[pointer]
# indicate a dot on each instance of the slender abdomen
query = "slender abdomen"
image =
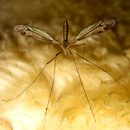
(65, 30)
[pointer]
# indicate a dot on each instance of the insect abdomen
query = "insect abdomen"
(65, 30)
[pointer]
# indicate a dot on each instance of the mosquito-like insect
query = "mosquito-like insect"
(39, 34)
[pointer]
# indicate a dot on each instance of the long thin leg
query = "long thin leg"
(34, 79)
(51, 87)
(77, 45)
(100, 68)
(80, 45)
(83, 88)
(83, 49)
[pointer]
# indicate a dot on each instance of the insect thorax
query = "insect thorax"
(65, 47)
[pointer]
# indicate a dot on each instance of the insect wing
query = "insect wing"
(96, 28)
(33, 32)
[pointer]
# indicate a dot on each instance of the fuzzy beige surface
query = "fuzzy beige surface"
(23, 58)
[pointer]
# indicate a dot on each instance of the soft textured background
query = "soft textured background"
(21, 59)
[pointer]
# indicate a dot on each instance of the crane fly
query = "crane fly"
(96, 28)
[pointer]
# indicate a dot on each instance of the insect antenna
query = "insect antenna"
(33, 80)
(100, 68)
(83, 86)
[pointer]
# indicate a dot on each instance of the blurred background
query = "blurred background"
(80, 13)
(22, 59)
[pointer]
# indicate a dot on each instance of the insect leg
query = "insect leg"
(33, 80)
(83, 49)
(83, 87)
(101, 69)
(52, 84)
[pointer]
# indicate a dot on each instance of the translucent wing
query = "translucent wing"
(96, 28)
(33, 32)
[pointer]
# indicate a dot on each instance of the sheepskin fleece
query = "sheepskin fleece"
(22, 59)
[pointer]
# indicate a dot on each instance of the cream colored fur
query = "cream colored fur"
(23, 58)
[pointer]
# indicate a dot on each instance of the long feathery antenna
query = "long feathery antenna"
(83, 87)
(100, 68)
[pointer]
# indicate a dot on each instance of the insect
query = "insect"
(96, 28)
